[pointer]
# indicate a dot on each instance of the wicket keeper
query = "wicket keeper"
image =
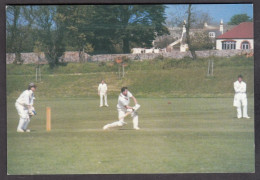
(240, 98)
(123, 109)
(25, 109)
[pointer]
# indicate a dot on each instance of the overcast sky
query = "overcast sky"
(218, 11)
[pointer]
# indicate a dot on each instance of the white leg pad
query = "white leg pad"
(135, 119)
(21, 124)
(26, 123)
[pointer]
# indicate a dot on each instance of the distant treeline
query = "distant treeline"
(92, 29)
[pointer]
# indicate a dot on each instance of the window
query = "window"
(212, 34)
(228, 44)
(245, 45)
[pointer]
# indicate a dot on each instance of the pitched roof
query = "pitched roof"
(242, 31)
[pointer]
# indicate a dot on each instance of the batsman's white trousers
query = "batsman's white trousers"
(102, 95)
(121, 122)
(24, 120)
(241, 99)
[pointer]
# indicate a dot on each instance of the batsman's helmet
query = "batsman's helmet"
(31, 85)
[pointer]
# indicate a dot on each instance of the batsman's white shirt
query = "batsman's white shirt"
(102, 88)
(123, 101)
(240, 94)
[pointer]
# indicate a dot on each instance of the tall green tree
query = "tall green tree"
(239, 18)
(51, 32)
(188, 36)
(127, 26)
(78, 21)
(19, 31)
(105, 26)
(140, 24)
(14, 33)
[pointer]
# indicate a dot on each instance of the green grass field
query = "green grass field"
(189, 135)
(196, 133)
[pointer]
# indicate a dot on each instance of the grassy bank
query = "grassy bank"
(157, 78)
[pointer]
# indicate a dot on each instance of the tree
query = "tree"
(239, 18)
(128, 25)
(177, 16)
(88, 28)
(199, 18)
(77, 21)
(201, 41)
(104, 27)
(163, 42)
(14, 35)
(188, 25)
(51, 32)
(19, 32)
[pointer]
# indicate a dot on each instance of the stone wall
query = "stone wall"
(71, 56)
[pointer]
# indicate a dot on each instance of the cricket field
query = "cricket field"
(177, 135)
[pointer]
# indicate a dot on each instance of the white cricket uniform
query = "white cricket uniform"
(122, 110)
(22, 104)
(102, 89)
(240, 98)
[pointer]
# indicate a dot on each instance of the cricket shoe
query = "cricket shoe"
(105, 127)
(20, 130)
(137, 128)
(27, 130)
(247, 117)
(106, 105)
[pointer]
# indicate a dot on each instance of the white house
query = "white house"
(144, 50)
(212, 31)
(239, 37)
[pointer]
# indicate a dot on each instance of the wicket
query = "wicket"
(48, 119)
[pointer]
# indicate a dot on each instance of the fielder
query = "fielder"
(25, 109)
(240, 98)
(124, 109)
(102, 92)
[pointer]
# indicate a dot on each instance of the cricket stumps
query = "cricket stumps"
(48, 119)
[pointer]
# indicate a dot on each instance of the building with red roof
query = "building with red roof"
(239, 37)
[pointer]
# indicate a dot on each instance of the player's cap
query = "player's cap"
(31, 85)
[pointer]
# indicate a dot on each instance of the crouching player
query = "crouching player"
(124, 109)
(25, 109)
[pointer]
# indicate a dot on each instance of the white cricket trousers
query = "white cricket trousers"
(102, 95)
(24, 120)
(240, 102)
(121, 122)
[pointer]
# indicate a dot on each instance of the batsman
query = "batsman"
(124, 110)
(25, 109)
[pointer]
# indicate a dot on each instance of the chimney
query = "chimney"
(221, 27)
(184, 27)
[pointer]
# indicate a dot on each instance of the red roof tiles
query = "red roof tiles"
(244, 30)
